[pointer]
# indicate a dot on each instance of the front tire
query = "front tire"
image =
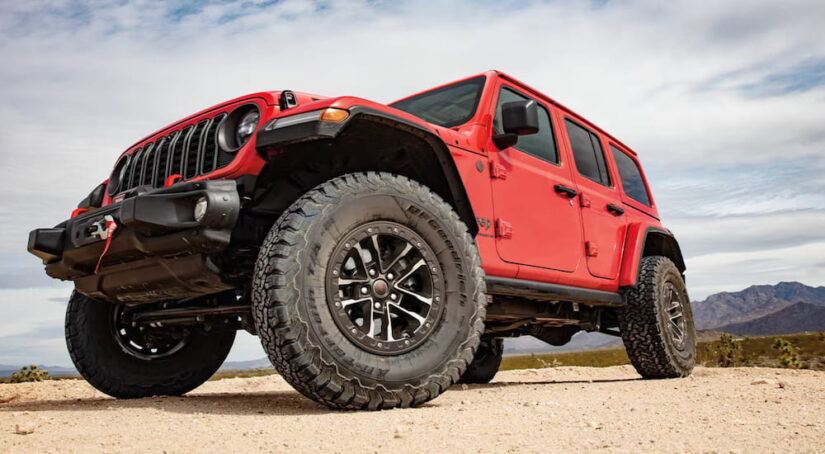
(368, 293)
(657, 322)
(127, 363)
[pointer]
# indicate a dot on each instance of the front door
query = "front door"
(537, 219)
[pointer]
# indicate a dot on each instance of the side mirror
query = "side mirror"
(518, 118)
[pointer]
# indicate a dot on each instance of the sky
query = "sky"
(723, 101)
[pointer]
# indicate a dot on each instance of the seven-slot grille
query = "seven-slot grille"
(188, 152)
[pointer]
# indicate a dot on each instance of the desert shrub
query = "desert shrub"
(554, 362)
(788, 353)
(729, 352)
(29, 374)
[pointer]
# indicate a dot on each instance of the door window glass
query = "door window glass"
(588, 153)
(541, 144)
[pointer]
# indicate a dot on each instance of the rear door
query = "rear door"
(536, 224)
(599, 199)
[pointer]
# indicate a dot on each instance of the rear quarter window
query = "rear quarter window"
(631, 176)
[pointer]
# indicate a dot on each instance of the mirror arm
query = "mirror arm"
(503, 141)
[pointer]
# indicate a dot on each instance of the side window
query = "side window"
(543, 143)
(588, 152)
(632, 182)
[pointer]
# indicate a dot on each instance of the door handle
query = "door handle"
(617, 211)
(569, 192)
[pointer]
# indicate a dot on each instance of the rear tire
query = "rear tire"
(485, 363)
(657, 322)
(126, 371)
(360, 242)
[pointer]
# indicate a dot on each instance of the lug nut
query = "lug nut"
(390, 276)
(372, 273)
(365, 290)
(393, 296)
(378, 305)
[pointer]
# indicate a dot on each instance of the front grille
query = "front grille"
(189, 152)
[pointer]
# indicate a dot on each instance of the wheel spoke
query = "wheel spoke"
(346, 303)
(407, 248)
(371, 331)
(412, 270)
(361, 258)
(417, 317)
(346, 281)
(388, 328)
(422, 298)
(677, 330)
(375, 246)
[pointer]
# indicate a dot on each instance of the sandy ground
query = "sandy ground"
(548, 410)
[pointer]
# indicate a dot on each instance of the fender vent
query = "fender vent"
(191, 152)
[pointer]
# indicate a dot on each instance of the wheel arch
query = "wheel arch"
(662, 242)
(370, 140)
(646, 241)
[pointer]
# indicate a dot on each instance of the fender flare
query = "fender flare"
(314, 129)
(646, 241)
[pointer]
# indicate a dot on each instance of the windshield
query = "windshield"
(448, 106)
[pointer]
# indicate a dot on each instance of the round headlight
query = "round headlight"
(200, 208)
(246, 127)
(237, 128)
(118, 174)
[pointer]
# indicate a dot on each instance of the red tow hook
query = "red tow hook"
(106, 231)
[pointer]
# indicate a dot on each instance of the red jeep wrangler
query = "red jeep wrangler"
(381, 252)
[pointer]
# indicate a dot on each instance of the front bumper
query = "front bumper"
(158, 252)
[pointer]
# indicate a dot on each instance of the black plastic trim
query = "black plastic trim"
(317, 129)
(678, 259)
(158, 223)
(551, 292)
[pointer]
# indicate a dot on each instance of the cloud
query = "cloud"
(723, 102)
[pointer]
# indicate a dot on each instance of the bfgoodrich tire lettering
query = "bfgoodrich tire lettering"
(657, 322)
(294, 318)
(109, 367)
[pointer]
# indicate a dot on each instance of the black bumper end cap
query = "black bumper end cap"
(46, 243)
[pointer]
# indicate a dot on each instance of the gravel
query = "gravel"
(548, 410)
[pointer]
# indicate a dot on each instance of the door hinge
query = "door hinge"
(498, 171)
(591, 249)
(584, 201)
(504, 229)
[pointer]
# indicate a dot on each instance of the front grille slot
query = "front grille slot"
(190, 152)
(178, 147)
(209, 160)
(193, 150)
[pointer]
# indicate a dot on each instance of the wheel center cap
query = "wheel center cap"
(380, 288)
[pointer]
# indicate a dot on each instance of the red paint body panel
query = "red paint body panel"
(543, 235)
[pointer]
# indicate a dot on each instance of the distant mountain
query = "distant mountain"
(796, 318)
(581, 341)
(754, 302)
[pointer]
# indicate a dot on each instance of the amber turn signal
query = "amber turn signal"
(334, 115)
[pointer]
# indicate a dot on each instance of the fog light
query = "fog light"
(200, 208)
